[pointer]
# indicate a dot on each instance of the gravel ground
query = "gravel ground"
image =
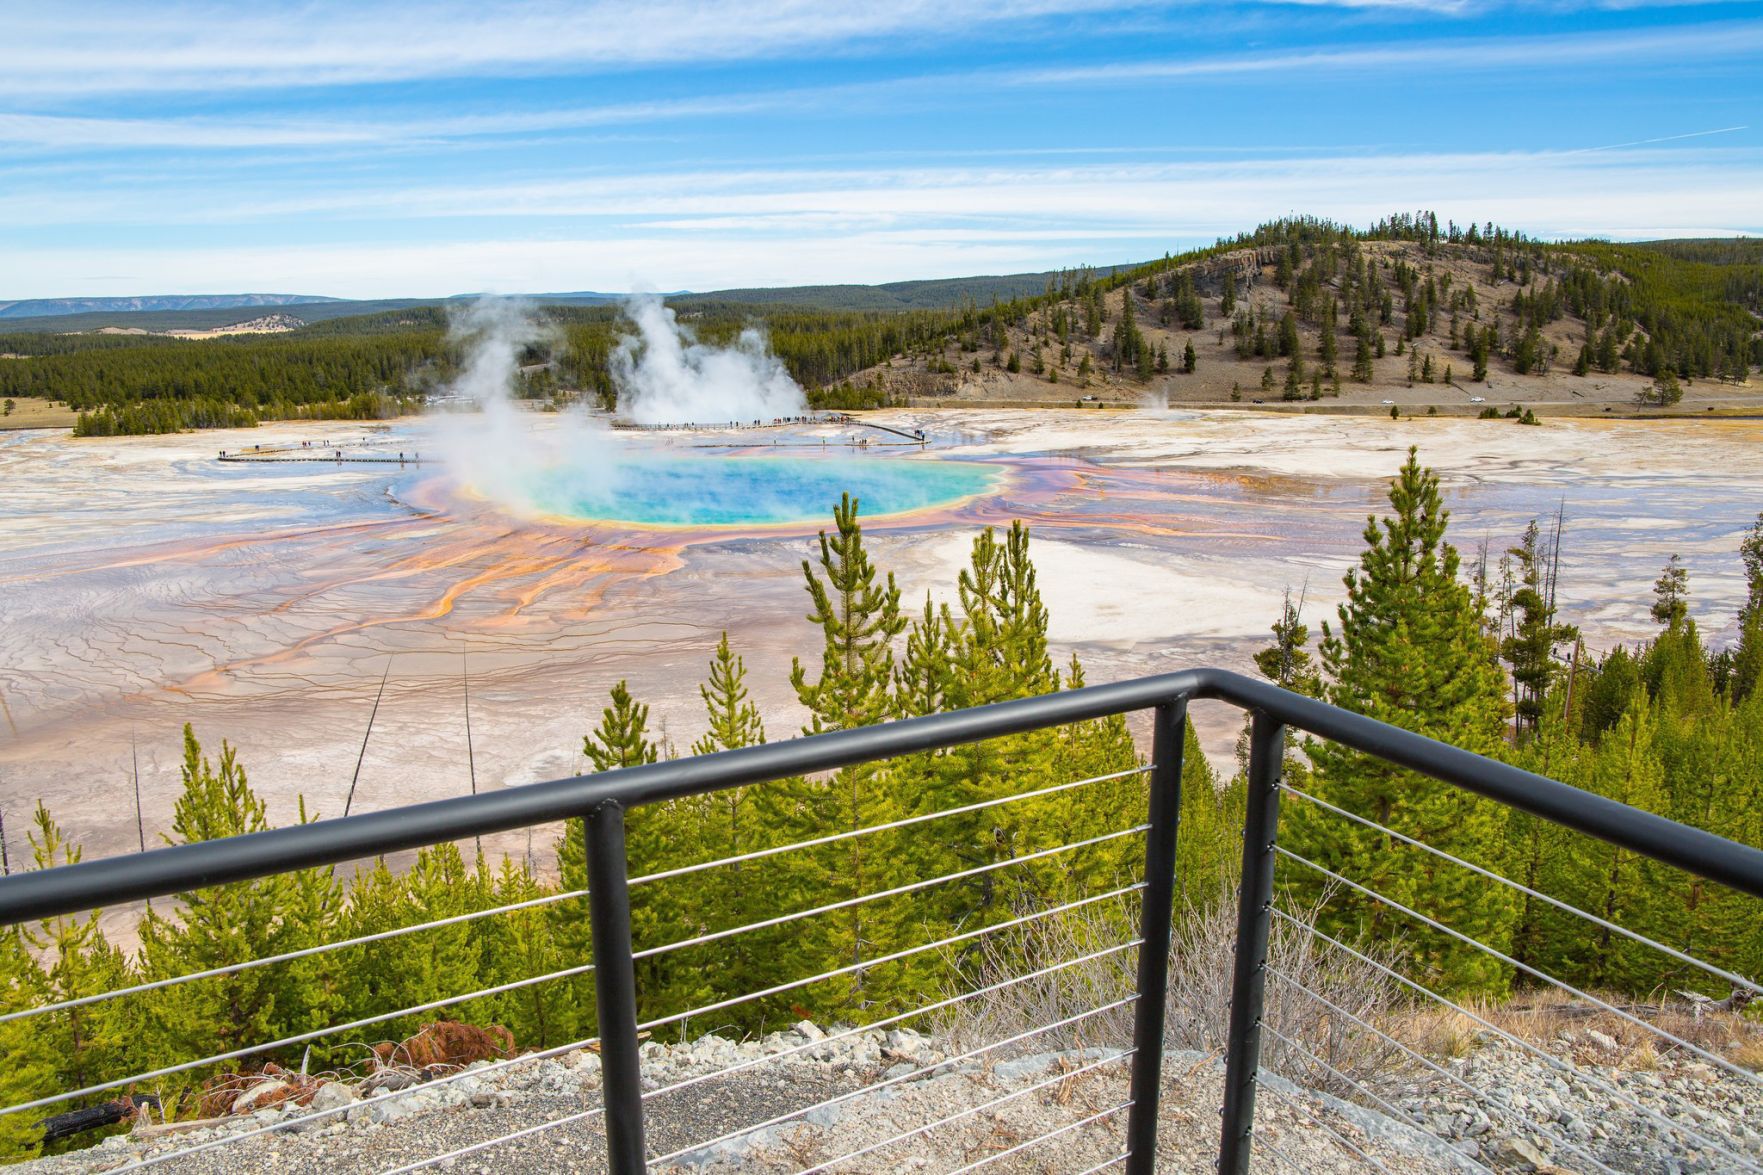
(1680, 1115)
(718, 1124)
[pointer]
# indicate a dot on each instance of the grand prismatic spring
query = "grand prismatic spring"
(144, 584)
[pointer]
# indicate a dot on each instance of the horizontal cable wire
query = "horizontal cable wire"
(1266, 1027)
(501, 1140)
(305, 952)
(532, 903)
(1354, 1082)
(316, 1115)
(1326, 1128)
(895, 1019)
(1713, 1058)
(755, 1126)
(889, 958)
(1022, 1146)
(891, 1081)
(1718, 972)
(567, 972)
(909, 887)
(1104, 1165)
(907, 822)
(1477, 1092)
(1542, 1054)
(971, 1110)
(1280, 1155)
(301, 1038)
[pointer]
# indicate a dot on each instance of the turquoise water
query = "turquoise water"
(729, 490)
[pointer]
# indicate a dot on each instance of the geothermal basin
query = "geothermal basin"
(697, 490)
(144, 585)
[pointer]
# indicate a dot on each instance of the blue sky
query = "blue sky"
(373, 149)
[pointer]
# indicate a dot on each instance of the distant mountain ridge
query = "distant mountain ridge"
(206, 311)
(44, 307)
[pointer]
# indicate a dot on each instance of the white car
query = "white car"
(1478, 399)
(1388, 402)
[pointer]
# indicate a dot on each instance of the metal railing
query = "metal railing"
(601, 802)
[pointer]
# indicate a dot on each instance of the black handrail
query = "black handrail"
(601, 800)
(162, 872)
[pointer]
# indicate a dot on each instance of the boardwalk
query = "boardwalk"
(320, 455)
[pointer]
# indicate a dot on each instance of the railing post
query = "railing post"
(1267, 746)
(615, 989)
(1168, 739)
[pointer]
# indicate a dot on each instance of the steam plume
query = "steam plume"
(665, 375)
(496, 453)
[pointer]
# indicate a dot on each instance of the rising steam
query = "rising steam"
(497, 452)
(665, 375)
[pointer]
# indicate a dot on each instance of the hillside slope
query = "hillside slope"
(1305, 313)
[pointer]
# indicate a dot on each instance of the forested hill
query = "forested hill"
(1299, 309)
(1304, 309)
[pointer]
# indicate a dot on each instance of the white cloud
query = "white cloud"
(1702, 44)
(744, 228)
(1141, 195)
(111, 48)
(108, 48)
(1699, 44)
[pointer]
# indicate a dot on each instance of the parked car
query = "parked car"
(1387, 403)
(1478, 399)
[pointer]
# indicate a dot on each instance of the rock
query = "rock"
(390, 1109)
(1514, 1154)
(388, 1079)
(332, 1095)
(809, 1030)
(1602, 1040)
(257, 1095)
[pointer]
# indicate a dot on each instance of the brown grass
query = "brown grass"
(1322, 1048)
(30, 412)
(1557, 1022)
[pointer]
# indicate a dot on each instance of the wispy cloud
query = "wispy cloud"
(1692, 46)
(120, 48)
(876, 224)
(109, 48)
(1703, 44)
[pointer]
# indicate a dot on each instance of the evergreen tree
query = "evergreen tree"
(520, 945)
(1287, 662)
(423, 966)
(1411, 650)
(233, 923)
(30, 1069)
(1613, 883)
(859, 616)
(620, 740)
(730, 823)
(1747, 663)
(76, 961)
(1362, 371)
(1530, 646)
(1671, 593)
